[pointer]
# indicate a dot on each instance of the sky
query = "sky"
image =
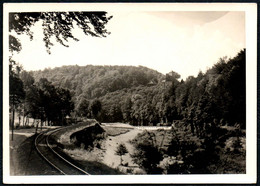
(184, 42)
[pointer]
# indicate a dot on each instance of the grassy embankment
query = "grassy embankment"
(24, 159)
(88, 159)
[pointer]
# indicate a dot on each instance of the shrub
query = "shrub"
(147, 153)
(120, 151)
(192, 154)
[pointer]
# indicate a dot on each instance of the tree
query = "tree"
(16, 89)
(82, 107)
(56, 102)
(17, 94)
(32, 102)
(147, 153)
(27, 78)
(95, 107)
(126, 109)
(120, 151)
(58, 25)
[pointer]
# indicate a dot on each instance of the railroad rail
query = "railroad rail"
(61, 164)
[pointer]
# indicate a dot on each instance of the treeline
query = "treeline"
(105, 92)
(216, 97)
(51, 95)
(41, 100)
(142, 96)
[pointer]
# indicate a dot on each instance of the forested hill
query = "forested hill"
(142, 96)
(96, 81)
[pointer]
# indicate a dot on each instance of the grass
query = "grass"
(25, 160)
(115, 131)
(88, 160)
(63, 136)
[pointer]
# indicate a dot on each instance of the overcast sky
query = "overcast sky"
(185, 42)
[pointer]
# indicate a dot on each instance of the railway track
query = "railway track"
(46, 150)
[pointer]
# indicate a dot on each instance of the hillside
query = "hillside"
(96, 81)
(116, 87)
(139, 96)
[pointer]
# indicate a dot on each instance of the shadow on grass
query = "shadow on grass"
(26, 161)
(92, 167)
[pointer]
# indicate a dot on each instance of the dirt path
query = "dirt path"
(113, 160)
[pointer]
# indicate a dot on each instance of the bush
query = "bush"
(120, 151)
(89, 137)
(147, 153)
(192, 154)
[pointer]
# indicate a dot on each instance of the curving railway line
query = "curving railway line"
(46, 150)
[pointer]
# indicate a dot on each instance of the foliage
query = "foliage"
(211, 98)
(218, 96)
(45, 101)
(147, 153)
(16, 90)
(198, 107)
(56, 102)
(204, 155)
(82, 108)
(120, 151)
(95, 107)
(118, 88)
(57, 25)
(89, 137)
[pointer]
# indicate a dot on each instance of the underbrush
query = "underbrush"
(87, 157)
(179, 151)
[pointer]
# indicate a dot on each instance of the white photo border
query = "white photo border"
(250, 10)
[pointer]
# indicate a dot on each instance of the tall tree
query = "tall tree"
(82, 107)
(55, 102)
(95, 107)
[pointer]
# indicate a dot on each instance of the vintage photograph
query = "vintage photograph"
(127, 92)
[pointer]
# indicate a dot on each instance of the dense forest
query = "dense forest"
(142, 96)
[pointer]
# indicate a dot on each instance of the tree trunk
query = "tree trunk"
(13, 123)
(23, 113)
(33, 121)
(19, 117)
(23, 118)
(36, 127)
(27, 121)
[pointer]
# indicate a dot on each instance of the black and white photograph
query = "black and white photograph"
(129, 93)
